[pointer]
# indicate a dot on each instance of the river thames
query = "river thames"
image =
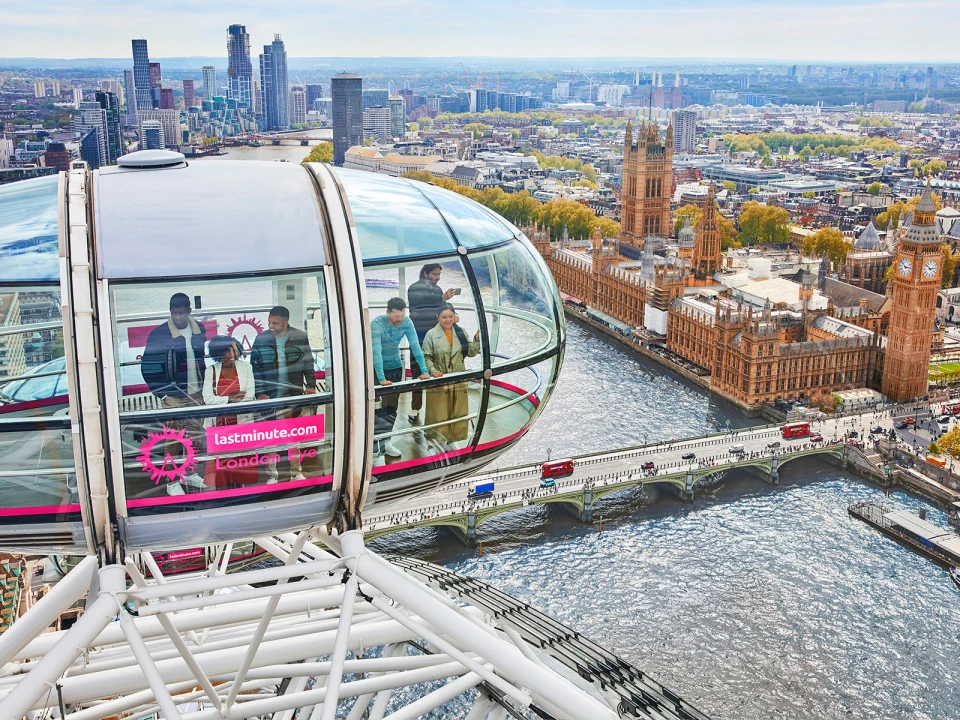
(753, 602)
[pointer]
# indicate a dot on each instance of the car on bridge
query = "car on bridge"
(688, 456)
(736, 450)
(547, 482)
(773, 445)
(816, 437)
(648, 465)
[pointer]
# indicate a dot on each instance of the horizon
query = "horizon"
(714, 30)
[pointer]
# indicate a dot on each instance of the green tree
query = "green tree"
(809, 194)
(934, 448)
(874, 188)
(478, 129)
(730, 185)
(827, 242)
(763, 224)
(322, 153)
(933, 167)
(949, 266)
(694, 212)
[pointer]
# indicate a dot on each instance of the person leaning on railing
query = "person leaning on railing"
(386, 332)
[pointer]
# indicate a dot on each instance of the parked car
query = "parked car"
(688, 456)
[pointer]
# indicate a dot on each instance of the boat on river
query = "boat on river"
(955, 575)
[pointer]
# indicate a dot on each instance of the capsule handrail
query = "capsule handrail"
(39, 471)
(221, 310)
(30, 376)
(34, 327)
(471, 416)
(241, 408)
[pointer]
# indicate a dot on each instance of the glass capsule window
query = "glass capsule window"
(223, 389)
(491, 359)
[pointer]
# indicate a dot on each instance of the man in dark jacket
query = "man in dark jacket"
(283, 367)
(425, 299)
(173, 368)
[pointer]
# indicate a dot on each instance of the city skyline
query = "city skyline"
(690, 29)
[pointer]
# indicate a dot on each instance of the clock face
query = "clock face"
(930, 268)
(905, 267)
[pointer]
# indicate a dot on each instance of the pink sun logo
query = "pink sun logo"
(244, 330)
(168, 468)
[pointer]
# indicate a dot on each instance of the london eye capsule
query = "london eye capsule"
(194, 353)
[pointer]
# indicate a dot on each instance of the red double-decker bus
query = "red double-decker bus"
(795, 430)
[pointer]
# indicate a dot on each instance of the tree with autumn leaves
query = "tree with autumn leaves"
(728, 231)
(827, 242)
(521, 209)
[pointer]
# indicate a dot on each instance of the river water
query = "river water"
(753, 602)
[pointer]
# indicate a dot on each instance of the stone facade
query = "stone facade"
(647, 183)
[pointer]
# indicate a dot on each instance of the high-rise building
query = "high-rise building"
(647, 181)
(156, 77)
(314, 91)
(189, 94)
(151, 135)
(684, 131)
(91, 116)
(77, 97)
(166, 99)
(209, 82)
(377, 125)
(398, 117)
(274, 103)
(39, 89)
(298, 105)
(131, 96)
(375, 98)
(347, 92)
(239, 67)
(141, 75)
(55, 88)
(916, 281)
(57, 156)
(110, 104)
(170, 122)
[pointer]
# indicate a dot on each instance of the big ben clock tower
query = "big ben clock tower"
(916, 280)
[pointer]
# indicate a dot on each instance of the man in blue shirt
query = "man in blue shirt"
(386, 332)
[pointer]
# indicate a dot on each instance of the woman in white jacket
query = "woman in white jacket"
(228, 380)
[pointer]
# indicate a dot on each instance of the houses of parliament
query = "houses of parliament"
(758, 326)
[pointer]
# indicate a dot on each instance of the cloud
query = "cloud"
(818, 30)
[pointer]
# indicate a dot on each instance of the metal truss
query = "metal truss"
(333, 630)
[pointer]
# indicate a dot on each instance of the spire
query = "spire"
(627, 137)
(926, 205)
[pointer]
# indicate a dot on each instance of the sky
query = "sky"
(906, 31)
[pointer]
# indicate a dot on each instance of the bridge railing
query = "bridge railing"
(456, 508)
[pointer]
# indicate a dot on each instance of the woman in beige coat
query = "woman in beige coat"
(445, 347)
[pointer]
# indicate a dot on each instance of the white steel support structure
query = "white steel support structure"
(330, 626)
